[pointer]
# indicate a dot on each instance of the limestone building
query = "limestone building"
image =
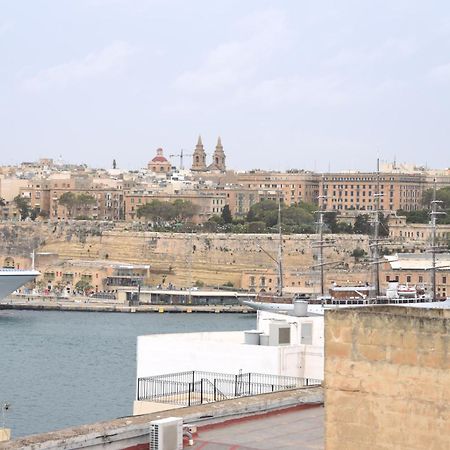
(199, 157)
(159, 164)
(218, 158)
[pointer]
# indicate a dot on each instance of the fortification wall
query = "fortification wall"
(174, 257)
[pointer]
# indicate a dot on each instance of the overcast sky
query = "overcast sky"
(286, 84)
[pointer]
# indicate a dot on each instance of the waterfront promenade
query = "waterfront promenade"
(87, 304)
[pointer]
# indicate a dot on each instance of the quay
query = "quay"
(87, 305)
(134, 300)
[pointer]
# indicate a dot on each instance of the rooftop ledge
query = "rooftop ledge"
(133, 431)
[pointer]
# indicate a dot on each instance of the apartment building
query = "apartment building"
(209, 201)
(295, 187)
(356, 191)
(107, 201)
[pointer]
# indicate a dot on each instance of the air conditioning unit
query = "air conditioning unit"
(166, 434)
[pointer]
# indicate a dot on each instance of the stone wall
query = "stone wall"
(174, 257)
(387, 378)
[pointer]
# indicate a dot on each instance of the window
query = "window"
(408, 278)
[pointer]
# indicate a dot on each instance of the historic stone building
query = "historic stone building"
(159, 164)
(199, 157)
(218, 158)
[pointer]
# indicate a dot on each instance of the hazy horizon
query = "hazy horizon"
(286, 84)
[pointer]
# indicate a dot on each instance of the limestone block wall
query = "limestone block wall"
(177, 258)
(387, 378)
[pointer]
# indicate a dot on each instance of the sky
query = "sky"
(318, 85)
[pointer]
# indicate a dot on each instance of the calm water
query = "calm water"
(59, 369)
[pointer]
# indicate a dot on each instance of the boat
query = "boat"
(364, 294)
(13, 279)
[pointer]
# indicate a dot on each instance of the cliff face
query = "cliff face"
(212, 258)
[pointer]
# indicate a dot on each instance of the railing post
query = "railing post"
(138, 385)
(201, 391)
(189, 395)
(235, 385)
(215, 387)
(249, 384)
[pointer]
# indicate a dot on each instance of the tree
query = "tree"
(85, 201)
(157, 211)
(83, 286)
(184, 209)
(330, 220)
(34, 213)
(68, 200)
(226, 214)
(22, 204)
(362, 224)
(358, 253)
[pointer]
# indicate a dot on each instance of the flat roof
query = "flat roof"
(299, 428)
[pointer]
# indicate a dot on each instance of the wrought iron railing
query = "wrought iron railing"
(197, 387)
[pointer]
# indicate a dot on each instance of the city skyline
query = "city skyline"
(285, 84)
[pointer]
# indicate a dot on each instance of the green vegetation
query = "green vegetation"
(358, 253)
(75, 202)
(83, 286)
(423, 215)
(23, 205)
(161, 212)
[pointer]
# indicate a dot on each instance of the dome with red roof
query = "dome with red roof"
(159, 163)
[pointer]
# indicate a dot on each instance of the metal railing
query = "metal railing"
(197, 387)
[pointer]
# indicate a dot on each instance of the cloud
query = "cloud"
(318, 91)
(5, 27)
(237, 61)
(440, 73)
(392, 48)
(110, 59)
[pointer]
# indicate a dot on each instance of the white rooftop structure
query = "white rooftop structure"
(413, 261)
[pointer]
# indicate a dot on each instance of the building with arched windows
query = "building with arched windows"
(159, 164)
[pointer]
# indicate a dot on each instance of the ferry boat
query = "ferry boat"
(12, 279)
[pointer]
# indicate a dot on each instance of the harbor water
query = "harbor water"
(61, 369)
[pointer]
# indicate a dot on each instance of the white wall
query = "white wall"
(215, 352)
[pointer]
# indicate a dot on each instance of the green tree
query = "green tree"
(362, 224)
(256, 227)
(23, 205)
(84, 202)
(184, 209)
(34, 213)
(226, 214)
(358, 253)
(157, 211)
(83, 286)
(68, 200)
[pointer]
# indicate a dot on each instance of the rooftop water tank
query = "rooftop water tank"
(300, 308)
(252, 337)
